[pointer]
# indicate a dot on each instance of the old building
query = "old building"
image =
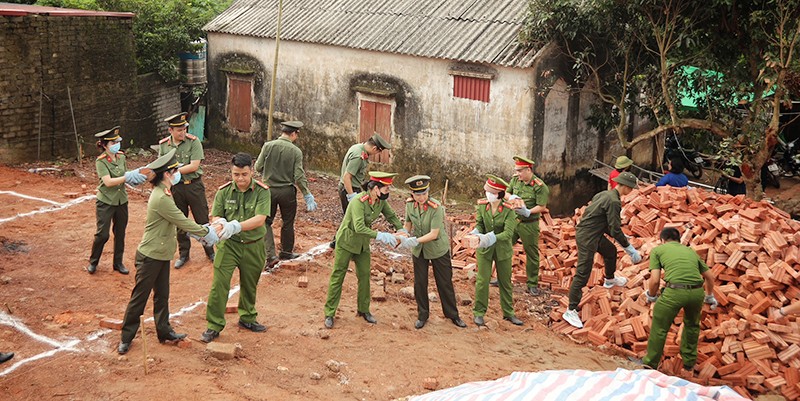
(446, 81)
(66, 71)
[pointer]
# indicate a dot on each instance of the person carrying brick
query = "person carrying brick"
(601, 217)
(241, 206)
(686, 277)
(621, 165)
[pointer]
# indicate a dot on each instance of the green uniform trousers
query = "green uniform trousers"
(443, 274)
(151, 275)
(667, 307)
(529, 232)
(191, 196)
(249, 258)
(340, 263)
(587, 247)
(482, 286)
(107, 214)
(286, 198)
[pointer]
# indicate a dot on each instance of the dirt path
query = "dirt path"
(44, 286)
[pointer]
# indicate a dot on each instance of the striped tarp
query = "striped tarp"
(580, 385)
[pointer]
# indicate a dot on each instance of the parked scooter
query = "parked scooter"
(691, 158)
(771, 173)
(788, 157)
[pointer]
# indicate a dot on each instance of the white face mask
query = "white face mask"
(176, 178)
(491, 197)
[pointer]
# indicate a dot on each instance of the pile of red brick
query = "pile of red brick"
(752, 248)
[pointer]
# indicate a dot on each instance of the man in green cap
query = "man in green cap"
(686, 276)
(241, 206)
(529, 195)
(189, 193)
(601, 217)
(281, 164)
(622, 164)
(354, 169)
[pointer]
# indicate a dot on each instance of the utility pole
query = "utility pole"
(274, 71)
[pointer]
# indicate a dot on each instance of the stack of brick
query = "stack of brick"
(752, 248)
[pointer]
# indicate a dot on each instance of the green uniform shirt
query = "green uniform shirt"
(602, 216)
(188, 150)
(160, 237)
(355, 162)
(681, 264)
(105, 165)
(503, 222)
(354, 233)
(281, 165)
(533, 193)
(233, 204)
(424, 219)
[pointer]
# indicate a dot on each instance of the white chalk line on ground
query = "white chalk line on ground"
(23, 196)
(47, 209)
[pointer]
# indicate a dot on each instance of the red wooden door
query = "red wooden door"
(240, 103)
(376, 118)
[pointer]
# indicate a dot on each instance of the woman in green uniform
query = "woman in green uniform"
(352, 242)
(112, 198)
(494, 226)
(157, 250)
(430, 245)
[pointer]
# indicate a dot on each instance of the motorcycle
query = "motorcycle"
(771, 173)
(788, 157)
(691, 158)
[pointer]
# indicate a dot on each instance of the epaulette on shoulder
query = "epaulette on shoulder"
(225, 184)
(483, 201)
(409, 200)
(364, 198)
(121, 152)
(262, 185)
(101, 156)
(538, 181)
(190, 136)
(166, 138)
(432, 204)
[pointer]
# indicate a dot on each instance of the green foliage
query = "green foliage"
(162, 28)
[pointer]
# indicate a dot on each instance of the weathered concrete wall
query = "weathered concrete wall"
(93, 56)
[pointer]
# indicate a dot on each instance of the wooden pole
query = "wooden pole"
(274, 71)
(444, 194)
(75, 127)
(39, 142)
(144, 343)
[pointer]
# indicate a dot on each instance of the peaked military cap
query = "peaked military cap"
(380, 141)
(622, 162)
(166, 162)
(419, 183)
(383, 178)
(178, 120)
(627, 179)
(520, 162)
(109, 135)
(291, 126)
(496, 182)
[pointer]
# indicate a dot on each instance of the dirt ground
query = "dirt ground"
(50, 303)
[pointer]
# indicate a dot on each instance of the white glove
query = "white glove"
(487, 240)
(211, 238)
(134, 177)
(352, 196)
(650, 298)
(408, 243)
(474, 232)
(220, 220)
(230, 228)
(311, 204)
(523, 211)
(711, 300)
(386, 238)
(512, 197)
(404, 231)
(633, 253)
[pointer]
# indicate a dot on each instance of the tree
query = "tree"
(161, 29)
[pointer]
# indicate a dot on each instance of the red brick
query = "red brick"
(113, 324)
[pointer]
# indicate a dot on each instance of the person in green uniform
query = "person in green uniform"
(281, 164)
(495, 222)
(354, 169)
(430, 244)
(352, 242)
(241, 206)
(189, 193)
(686, 275)
(601, 217)
(530, 195)
(155, 252)
(112, 198)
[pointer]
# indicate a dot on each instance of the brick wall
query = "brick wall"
(93, 56)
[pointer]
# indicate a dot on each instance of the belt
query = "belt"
(187, 182)
(678, 286)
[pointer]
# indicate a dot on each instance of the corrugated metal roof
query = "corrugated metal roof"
(18, 10)
(477, 31)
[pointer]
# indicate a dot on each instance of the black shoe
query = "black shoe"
(289, 255)
(6, 356)
(271, 262)
(458, 322)
(254, 326)
(171, 337)
(534, 291)
(181, 261)
(332, 244)
(368, 317)
(91, 269)
(419, 324)
(514, 320)
(121, 269)
(328, 322)
(123, 348)
(493, 282)
(479, 320)
(209, 336)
